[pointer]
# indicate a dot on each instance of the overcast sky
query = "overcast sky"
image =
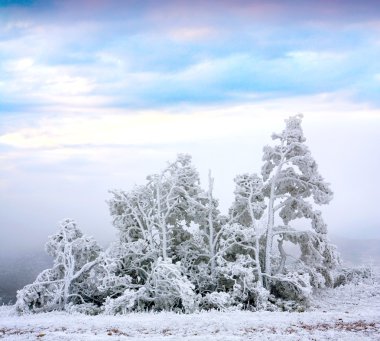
(95, 95)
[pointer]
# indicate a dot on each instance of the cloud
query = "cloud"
(163, 126)
(192, 34)
(141, 72)
(154, 128)
(130, 56)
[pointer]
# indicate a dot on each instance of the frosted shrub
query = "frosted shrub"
(44, 294)
(170, 289)
(217, 300)
(293, 286)
(84, 308)
(354, 275)
(127, 302)
(71, 280)
(240, 279)
(260, 295)
(166, 288)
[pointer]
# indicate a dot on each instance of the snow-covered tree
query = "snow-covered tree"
(156, 212)
(244, 235)
(72, 280)
(248, 209)
(166, 288)
(221, 252)
(292, 187)
(199, 253)
(153, 222)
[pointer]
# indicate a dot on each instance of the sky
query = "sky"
(96, 95)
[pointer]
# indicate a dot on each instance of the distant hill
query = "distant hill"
(358, 251)
(17, 270)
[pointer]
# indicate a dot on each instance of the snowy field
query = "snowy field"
(351, 312)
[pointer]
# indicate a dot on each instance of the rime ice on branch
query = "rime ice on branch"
(71, 281)
(292, 185)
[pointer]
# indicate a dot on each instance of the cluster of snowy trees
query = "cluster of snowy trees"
(177, 251)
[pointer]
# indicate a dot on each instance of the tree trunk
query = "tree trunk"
(257, 244)
(211, 224)
(164, 241)
(269, 234)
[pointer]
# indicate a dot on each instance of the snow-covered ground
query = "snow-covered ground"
(350, 312)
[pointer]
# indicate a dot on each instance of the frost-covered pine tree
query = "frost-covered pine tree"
(237, 274)
(153, 222)
(245, 219)
(219, 255)
(199, 252)
(71, 280)
(293, 186)
(156, 212)
(248, 209)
